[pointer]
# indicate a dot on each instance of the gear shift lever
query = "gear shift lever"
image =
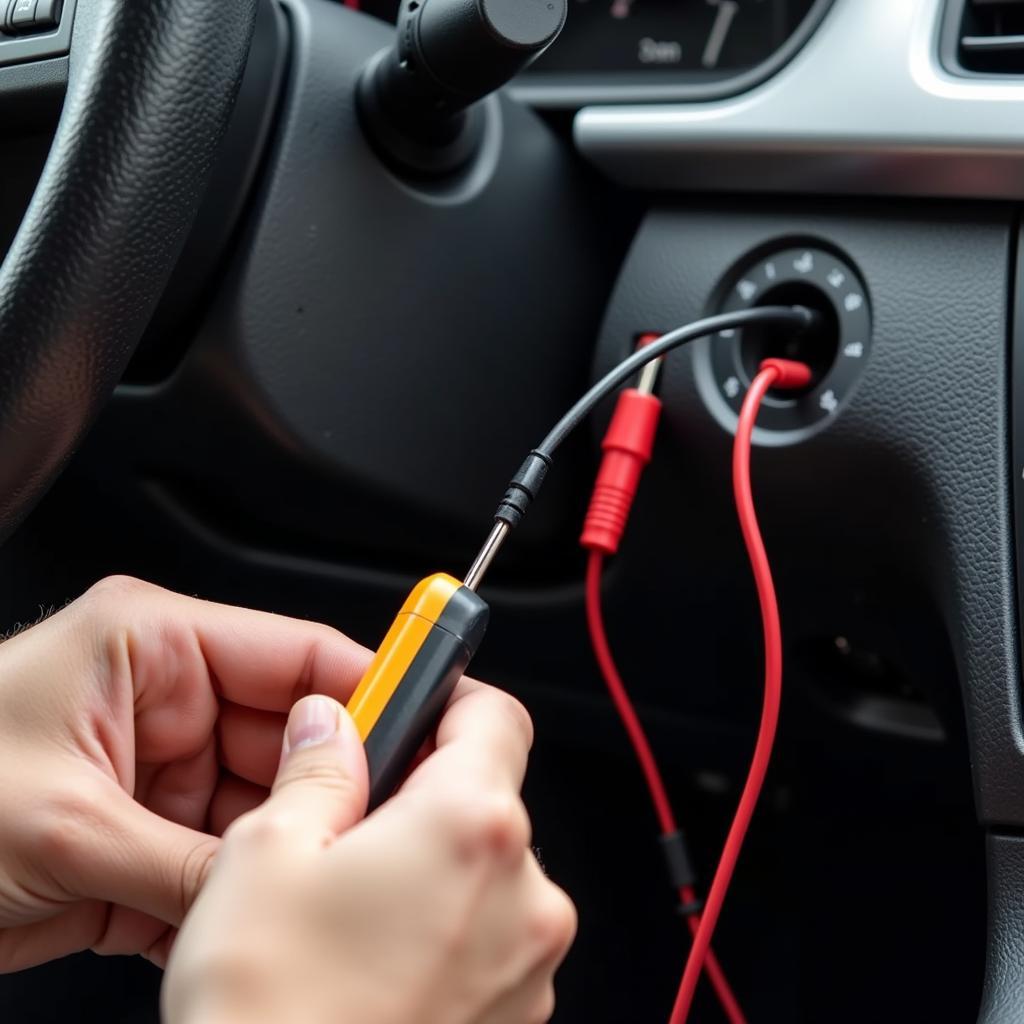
(417, 98)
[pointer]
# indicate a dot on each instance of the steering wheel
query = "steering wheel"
(151, 85)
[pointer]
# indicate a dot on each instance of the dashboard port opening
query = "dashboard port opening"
(818, 349)
(867, 690)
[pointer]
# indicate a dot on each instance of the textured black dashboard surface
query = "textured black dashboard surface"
(1003, 999)
(912, 477)
(151, 86)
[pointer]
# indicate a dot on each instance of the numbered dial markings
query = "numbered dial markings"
(805, 274)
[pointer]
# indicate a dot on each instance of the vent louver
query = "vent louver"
(990, 37)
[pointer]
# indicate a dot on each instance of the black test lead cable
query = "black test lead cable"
(439, 628)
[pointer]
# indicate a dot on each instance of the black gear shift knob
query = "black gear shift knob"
(472, 47)
(416, 98)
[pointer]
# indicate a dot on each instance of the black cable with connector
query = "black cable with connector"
(435, 635)
(525, 485)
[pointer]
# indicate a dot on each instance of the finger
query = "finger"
(116, 850)
(232, 798)
(484, 737)
(179, 791)
(254, 658)
(86, 925)
(250, 742)
(72, 931)
(129, 932)
(322, 788)
(160, 951)
(270, 662)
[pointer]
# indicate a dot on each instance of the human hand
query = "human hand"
(135, 725)
(433, 909)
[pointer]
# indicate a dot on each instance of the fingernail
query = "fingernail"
(313, 720)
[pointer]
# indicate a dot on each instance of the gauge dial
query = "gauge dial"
(699, 37)
(698, 40)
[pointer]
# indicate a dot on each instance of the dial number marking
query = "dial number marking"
(724, 17)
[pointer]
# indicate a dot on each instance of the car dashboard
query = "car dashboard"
(279, 439)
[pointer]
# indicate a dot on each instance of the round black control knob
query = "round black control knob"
(417, 97)
(472, 47)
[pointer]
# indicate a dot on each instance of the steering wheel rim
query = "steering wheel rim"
(150, 90)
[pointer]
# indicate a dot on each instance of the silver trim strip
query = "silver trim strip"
(864, 108)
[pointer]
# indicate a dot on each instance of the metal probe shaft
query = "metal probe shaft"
(487, 554)
(477, 571)
(649, 377)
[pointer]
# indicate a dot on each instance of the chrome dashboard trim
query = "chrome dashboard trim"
(865, 107)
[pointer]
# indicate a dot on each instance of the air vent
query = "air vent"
(985, 37)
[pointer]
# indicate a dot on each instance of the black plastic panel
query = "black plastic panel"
(1003, 999)
(909, 482)
(38, 46)
(383, 353)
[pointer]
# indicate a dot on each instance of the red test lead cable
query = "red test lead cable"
(627, 446)
(659, 797)
(774, 373)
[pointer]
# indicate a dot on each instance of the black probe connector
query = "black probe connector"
(526, 484)
(523, 488)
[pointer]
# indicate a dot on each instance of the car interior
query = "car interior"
(290, 288)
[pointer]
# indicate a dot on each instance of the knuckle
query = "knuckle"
(265, 827)
(553, 922)
(109, 601)
(489, 824)
(517, 713)
(115, 590)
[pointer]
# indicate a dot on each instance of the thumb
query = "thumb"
(322, 784)
(125, 854)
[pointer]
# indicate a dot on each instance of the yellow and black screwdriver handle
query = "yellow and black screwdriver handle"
(404, 691)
